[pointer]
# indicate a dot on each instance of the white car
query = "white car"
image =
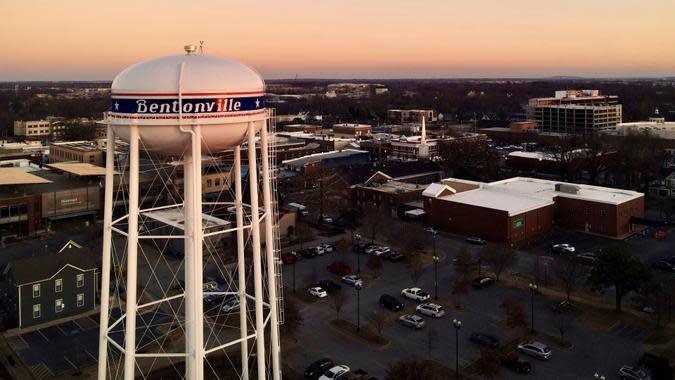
(317, 292)
(370, 250)
(431, 310)
(563, 249)
(432, 231)
(381, 251)
(536, 349)
(412, 321)
(334, 372)
(353, 280)
(416, 294)
(231, 305)
(632, 373)
(327, 248)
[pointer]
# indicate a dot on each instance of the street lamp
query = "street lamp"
(533, 288)
(598, 377)
(358, 254)
(358, 308)
(458, 324)
(436, 258)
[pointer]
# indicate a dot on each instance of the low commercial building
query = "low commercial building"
(313, 164)
(355, 131)
(79, 151)
(310, 128)
(656, 125)
(520, 209)
(385, 194)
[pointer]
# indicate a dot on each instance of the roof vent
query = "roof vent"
(567, 188)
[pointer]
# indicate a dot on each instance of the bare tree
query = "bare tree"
(566, 271)
(311, 278)
(339, 299)
(371, 222)
(292, 317)
(374, 264)
(378, 319)
(415, 266)
(430, 341)
(515, 316)
(302, 233)
(498, 258)
(487, 364)
(562, 324)
(463, 262)
(343, 248)
(460, 286)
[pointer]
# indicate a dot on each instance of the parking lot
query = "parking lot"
(593, 350)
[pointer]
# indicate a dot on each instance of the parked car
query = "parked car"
(316, 369)
(339, 268)
(536, 349)
(325, 219)
(317, 292)
(513, 362)
(353, 280)
(318, 251)
(562, 306)
(431, 310)
(475, 240)
(360, 248)
(416, 294)
(587, 258)
(395, 257)
(213, 298)
(231, 305)
(663, 265)
(484, 340)
(660, 235)
(562, 249)
(432, 231)
(390, 302)
(482, 282)
(632, 373)
(412, 321)
(328, 285)
(334, 372)
(382, 252)
(658, 366)
(288, 258)
(328, 248)
(307, 253)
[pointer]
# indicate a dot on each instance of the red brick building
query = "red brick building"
(520, 209)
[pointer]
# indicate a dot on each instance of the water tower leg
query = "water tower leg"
(257, 266)
(132, 258)
(241, 264)
(105, 265)
(194, 307)
(269, 247)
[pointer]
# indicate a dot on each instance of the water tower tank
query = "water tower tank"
(162, 94)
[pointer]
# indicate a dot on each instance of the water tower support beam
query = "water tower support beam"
(257, 266)
(241, 263)
(105, 265)
(132, 257)
(269, 247)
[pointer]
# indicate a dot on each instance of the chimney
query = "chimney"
(424, 129)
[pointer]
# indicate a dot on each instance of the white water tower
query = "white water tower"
(184, 108)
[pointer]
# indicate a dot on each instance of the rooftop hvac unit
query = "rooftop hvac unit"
(567, 188)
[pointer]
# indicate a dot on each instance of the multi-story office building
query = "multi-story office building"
(34, 129)
(575, 112)
(410, 116)
(80, 151)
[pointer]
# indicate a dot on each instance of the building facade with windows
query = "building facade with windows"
(32, 129)
(575, 112)
(78, 151)
(49, 287)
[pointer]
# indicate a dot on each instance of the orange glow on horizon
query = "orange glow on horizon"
(87, 40)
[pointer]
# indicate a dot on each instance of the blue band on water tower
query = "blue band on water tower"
(154, 106)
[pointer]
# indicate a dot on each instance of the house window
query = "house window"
(36, 290)
(80, 280)
(36, 311)
(217, 181)
(58, 285)
(603, 212)
(80, 300)
(209, 183)
(58, 305)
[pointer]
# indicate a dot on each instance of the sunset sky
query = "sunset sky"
(94, 40)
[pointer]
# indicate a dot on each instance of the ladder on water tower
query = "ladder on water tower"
(276, 266)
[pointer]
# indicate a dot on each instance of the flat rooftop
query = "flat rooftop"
(19, 176)
(82, 146)
(393, 187)
(316, 157)
(521, 194)
(79, 168)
